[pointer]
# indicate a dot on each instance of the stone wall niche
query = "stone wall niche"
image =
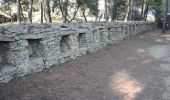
(34, 48)
(104, 35)
(113, 34)
(96, 37)
(3, 54)
(81, 40)
(36, 62)
(65, 43)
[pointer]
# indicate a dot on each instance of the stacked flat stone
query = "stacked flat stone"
(26, 49)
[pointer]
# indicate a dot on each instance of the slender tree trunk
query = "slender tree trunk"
(30, 11)
(128, 11)
(165, 15)
(146, 10)
(23, 18)
(63, 6)
(47, 11)
(18, 12)
(116, 15)
(65, 10)
(106, 11)
(114, 8)
(131, 10)
(101, 10)
(142, 8)
(11, 16)
(76, 9)
(75, 13)
(42, 12)
(168, 17)
(84, 15)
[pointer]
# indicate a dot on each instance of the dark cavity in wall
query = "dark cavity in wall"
(81, 40)
(102, 35)
(34, 48)
(4, 48)
(109, 35)
(95, 36)
(65, 43)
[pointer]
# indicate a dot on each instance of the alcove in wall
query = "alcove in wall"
(81, 40)
(65, 43)
(4, 48)
(34, 48)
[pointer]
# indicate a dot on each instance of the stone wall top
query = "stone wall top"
(14, 32)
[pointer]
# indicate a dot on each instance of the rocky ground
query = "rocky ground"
(134, 69)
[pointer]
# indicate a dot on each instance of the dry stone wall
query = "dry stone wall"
(26, 49)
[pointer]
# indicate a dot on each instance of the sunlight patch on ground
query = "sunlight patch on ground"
(167, 37)
(123, 84)
(166, 94)
(159, 40)
(141, 50)
(147, 61)
(159, 51)
(165, 67)
(162, 53)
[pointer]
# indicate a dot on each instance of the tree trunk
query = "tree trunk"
(42, 12)
(146, 11)
(131, 10)
(30, 11)
(63, 6)
(128, 11)
(75, 13)
(84, 15)
(11, 15)
(65, 10)
(106, 11)
(47, 11)
(18, 12)
(23, 18)
(101, 10)
(142, 9)
(165, 15)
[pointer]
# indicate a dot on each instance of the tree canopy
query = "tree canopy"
(34, 11)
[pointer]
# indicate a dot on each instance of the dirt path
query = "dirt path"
(134, 69)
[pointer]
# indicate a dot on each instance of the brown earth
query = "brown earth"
(134, 69)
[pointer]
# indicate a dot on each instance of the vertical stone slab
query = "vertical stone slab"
(131, 29)
(95, 41)
(18, 54)
(89, 39)
(50, 50)
(121, 30)
(127, 30)
(73, 40)
(104, 37)
(113, 33)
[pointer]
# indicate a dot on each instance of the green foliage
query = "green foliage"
(15, 76)
(91, 4)
(117, 9)
(158, 6)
